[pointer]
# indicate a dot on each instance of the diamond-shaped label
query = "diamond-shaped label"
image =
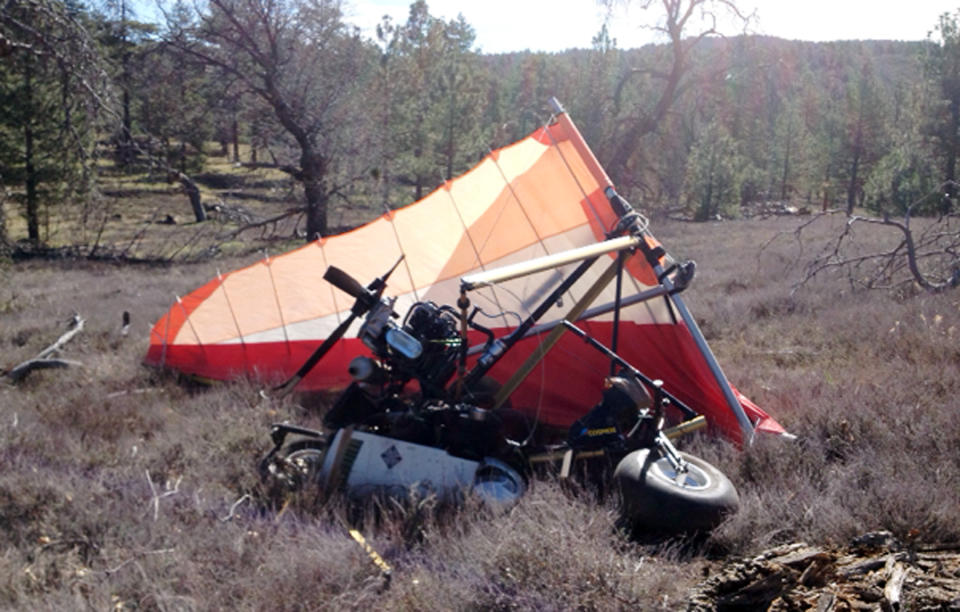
(391, 457)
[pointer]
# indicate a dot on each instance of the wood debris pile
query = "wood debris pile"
(876, 572)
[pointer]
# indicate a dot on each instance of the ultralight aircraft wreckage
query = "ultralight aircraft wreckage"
(490, 270)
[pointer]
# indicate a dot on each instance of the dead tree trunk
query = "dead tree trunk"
(313, 168)
(32, 177)
(193, 192)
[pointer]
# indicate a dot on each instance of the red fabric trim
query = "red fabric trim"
(559, 390)
(166, 328)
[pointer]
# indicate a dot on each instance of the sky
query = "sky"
(551, 25)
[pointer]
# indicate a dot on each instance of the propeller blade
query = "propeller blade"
(346, 283)
(285, 388)
(365, 299)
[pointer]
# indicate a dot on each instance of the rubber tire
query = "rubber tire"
(652, 502)
(308, 452)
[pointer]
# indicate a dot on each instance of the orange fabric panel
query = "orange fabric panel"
(254, 307)
(474, 191)
(297, 279)
(545, 194)
(432, 235)
(365, 253)
(166, 330)
(564, 129)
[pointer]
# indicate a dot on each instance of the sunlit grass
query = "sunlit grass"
(122, 488)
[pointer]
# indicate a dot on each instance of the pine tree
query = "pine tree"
(175, 99)
(942, 67)
(436, 93)
(714, 173)
(46, 113)
(865, 133)
(122, 38)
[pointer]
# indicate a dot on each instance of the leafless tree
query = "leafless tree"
(684, 24)
(304, 63)
(922, 252)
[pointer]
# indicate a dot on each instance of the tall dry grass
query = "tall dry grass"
(868, 381)
(122, 488)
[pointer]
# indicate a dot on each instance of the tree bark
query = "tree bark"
(5, 248)
(855, 167)
(648, 123)
(126, 129)
(193, 192)
(313, 166)
(32, 178)
(950, 169)
(852, 186)
(784, 177)
(235, 136)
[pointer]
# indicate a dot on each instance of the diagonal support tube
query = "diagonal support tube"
(544, 347)
(623, 209)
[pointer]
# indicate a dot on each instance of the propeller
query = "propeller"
(366, 298)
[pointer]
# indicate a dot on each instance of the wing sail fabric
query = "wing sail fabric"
(541, 195)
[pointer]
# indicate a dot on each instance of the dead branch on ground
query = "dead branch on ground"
(44, 359)
(874, 572)
(263, 224)
(924, 252)
(170, 489)
(927, 257)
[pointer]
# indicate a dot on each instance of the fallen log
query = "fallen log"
(874, 572)
(891, 592)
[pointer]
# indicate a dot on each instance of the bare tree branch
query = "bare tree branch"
(927, 256)
(683, 31)
(301, 60)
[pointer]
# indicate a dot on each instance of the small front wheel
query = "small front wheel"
(656, 497)
(296, 466)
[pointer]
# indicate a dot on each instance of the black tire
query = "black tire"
(297, 465)
(654, 500)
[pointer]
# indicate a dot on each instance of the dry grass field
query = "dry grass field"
(121, 488)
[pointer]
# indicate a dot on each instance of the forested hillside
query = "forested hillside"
(286, 110)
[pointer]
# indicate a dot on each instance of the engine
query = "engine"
(436, 329)
(426, 347)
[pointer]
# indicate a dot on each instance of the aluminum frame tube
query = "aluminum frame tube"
(470, 282)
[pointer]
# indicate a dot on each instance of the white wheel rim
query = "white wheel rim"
(693, 479)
